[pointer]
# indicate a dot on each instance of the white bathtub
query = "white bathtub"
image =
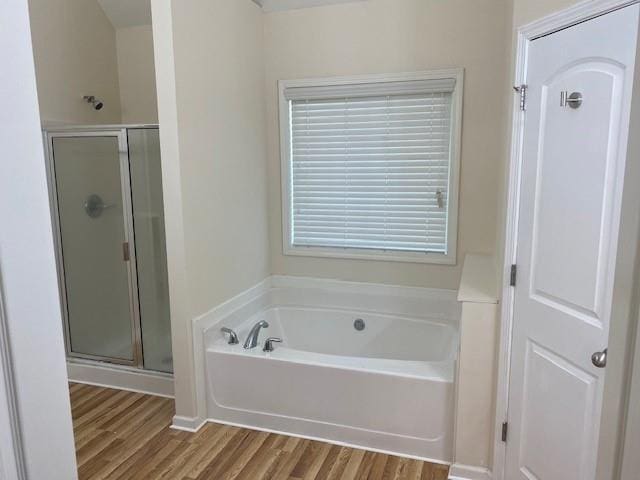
(389, 387)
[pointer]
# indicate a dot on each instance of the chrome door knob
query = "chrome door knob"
(599, 359)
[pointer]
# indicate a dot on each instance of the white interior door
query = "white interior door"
(571, 190)
(30, 300)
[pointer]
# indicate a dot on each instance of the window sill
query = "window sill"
(384, 256)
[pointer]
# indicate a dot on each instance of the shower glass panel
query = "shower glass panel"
(89, 174)
(148, 216)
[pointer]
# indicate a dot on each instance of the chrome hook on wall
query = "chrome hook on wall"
(574, 100)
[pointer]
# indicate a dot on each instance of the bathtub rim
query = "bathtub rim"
(323, 360)
(431, 320)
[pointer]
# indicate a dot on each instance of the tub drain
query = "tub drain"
(358, 324)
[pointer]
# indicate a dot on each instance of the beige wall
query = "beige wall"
(381, 36)
(210, 78)
(75, 54)
(222, 146)
(136, 72)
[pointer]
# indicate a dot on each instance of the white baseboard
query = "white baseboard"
(187, 424)
(122, 378)
(467, 472)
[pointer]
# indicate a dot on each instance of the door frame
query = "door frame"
(571, 16)
(630, 460)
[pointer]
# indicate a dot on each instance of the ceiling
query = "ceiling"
(127, 13)
(131, 13)
(275, 5)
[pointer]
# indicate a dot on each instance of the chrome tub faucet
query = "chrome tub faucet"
(268, 344)
(252, 338)
(233, 338)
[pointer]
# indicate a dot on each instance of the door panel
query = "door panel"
(570, 201)
(545, 376)
(573, 197)
(92, 230)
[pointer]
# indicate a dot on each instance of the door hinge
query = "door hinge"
(505, 429)
(522, 90)
(126, 256)
(513, 275)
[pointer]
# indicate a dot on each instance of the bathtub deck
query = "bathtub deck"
(124, 435)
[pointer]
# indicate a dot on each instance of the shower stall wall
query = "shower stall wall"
(107, 206)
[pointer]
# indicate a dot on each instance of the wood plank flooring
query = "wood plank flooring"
(124, 435)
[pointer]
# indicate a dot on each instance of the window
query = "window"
(370, 166)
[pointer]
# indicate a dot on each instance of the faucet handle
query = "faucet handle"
(233, 338)
(268, 344)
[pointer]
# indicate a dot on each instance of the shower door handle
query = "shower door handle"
(126, 255)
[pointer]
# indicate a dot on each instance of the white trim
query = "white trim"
(187, 424)
(365, 88)
(55, 128)
(120, 377)
(525, 35)
(506, 310)
(456, 145)
(581, 12)
(630, 461)
(466, 472)
(370, 254)
(11, 444)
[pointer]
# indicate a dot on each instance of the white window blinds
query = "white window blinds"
(370, 166)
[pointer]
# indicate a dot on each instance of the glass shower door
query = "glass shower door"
(148, 216)
(91, 180)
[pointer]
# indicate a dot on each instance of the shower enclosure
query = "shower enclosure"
(106, 196)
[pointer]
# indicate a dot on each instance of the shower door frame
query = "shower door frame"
(121, 133)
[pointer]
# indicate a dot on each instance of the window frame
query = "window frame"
(454, 179)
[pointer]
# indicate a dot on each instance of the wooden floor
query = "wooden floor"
(124, 435)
